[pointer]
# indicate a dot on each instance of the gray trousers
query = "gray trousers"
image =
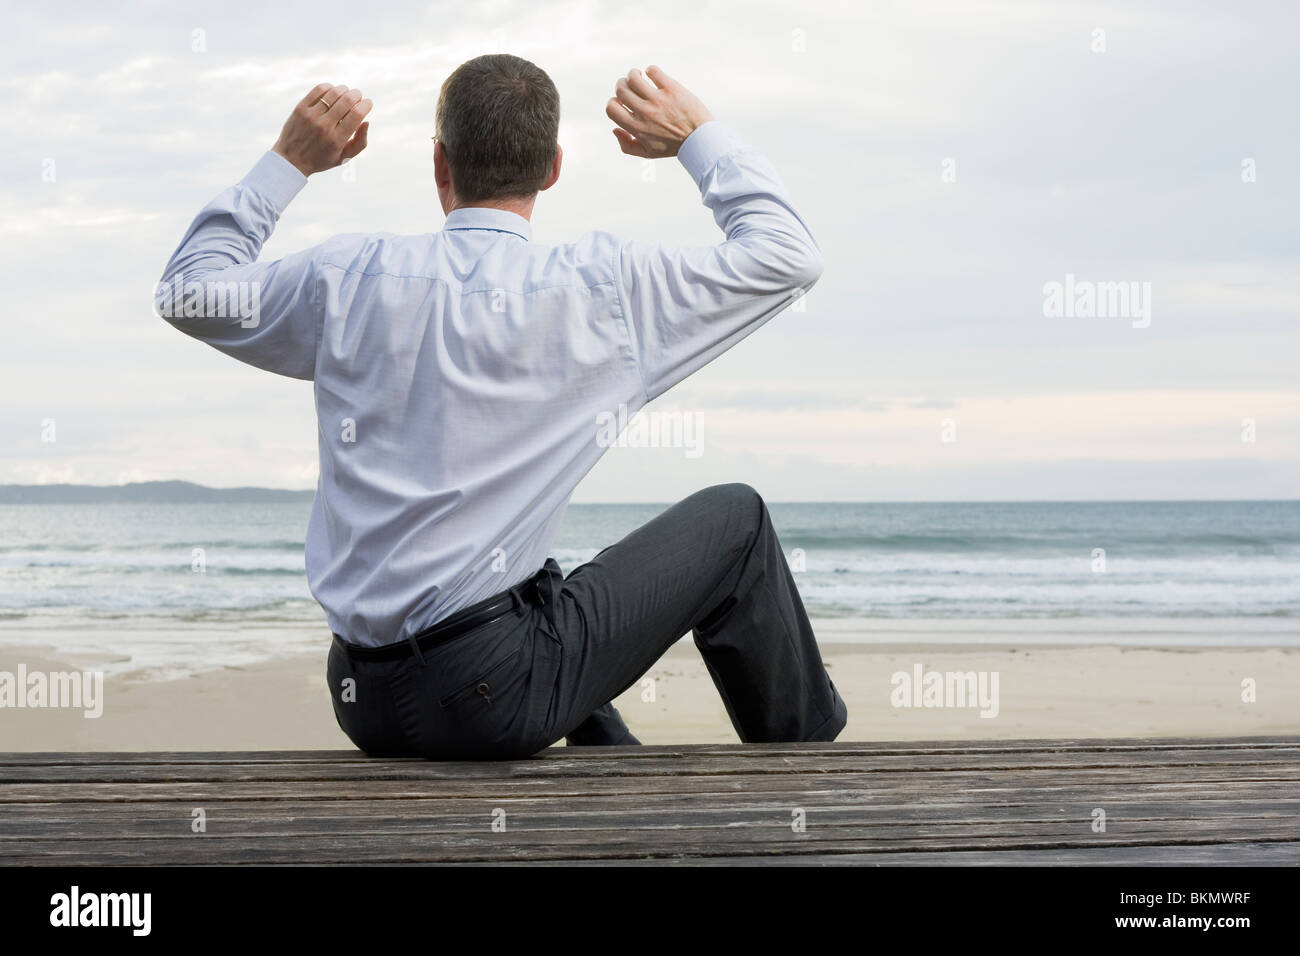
(710, 565)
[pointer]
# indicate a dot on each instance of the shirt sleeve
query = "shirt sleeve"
(266, 314)
(686, 306)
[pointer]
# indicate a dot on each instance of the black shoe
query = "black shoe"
(604, 728)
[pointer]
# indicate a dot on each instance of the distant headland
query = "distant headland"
(144, 492)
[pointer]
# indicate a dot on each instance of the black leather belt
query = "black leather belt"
(525, 593)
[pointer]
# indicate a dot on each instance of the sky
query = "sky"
(957, 162)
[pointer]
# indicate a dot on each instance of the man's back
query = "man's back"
(460, 376)
(465, 382)
(457, 386)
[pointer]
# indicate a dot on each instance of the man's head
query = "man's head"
(498, 124)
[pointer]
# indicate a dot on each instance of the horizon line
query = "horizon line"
(824, 501)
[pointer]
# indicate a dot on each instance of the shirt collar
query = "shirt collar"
(484, 217)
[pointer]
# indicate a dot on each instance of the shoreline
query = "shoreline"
(158, 655)
(1057, 691)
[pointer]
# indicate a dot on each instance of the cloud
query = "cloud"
(1120, 165)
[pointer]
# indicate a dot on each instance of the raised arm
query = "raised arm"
(262, 313)
(686, 306)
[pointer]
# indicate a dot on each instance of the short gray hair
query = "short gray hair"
(498, 121)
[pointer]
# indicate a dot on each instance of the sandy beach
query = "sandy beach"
(1041, 692)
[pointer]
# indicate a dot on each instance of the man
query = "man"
(461, 378)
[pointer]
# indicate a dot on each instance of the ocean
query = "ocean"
(89, 567)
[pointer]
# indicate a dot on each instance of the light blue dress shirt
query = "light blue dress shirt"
(463, 377)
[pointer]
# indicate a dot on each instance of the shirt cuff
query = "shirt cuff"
(707, 144)
(276, 179)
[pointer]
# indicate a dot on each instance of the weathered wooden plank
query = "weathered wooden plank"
(702, 829)
(360, 816)
(756, 751)
(1107, 784)
(1210, 854)
(72, 821)
(564, 845)
(666, 766)
(610, 826)
(871, 803)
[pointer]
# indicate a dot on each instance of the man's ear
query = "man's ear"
(442, 179)
(555, 168)
(441, 168)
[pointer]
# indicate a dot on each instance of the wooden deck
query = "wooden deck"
(1218, 801)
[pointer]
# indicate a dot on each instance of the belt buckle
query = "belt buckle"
(533, 587)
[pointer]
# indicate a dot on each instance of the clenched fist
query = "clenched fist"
(325, 129)
(655, 113)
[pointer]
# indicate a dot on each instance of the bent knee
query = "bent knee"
(735, 491)
(737, 499)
